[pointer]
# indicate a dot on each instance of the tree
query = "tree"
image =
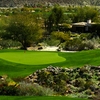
(23, 28)
(84, 14)
(56, 17)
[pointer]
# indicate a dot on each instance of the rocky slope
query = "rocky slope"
(14, 3)
(79, 82)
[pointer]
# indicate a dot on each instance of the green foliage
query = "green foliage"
(85, 13)
(80, 42)
(56, 17)
(8, 87)
(60, 81)
(23, 28)
(88, 84)
(97, 96)
(79, 82)
(52, 42)
(65, 27)
(6, 44)
(25, 9)
(60, 88)
(9, 90)
(56, 82)
(85, 36)
(32, 89)
(61, 36)
(96, 29)
(73, 45)
(69, 80)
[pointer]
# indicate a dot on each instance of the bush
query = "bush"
(5, 44)
(96, 95)
(54, 80)
(60, 87)
(8, 86)
(52, 42)
(11, 90)
(88, 92)
(65, 27)
(30, 89)
(96, 29)
(74, 45)
(88, 84)
(79, 82)
(79, 44)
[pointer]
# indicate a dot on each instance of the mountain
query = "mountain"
(15, 3)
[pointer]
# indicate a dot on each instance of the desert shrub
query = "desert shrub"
(44, 77)
(93, 43)
(52, 42)
(96, 97)
(54, 80)
(60, 87)
(86, 36)
(77, 44)
(88, 92)
(74, 45)
(30, 89)
(79, 82)
(5, 44)
(88, 84)
(8, 90)
(8, 86)
(89, 45)
(60, 83)
(65, 27)
(61, 36)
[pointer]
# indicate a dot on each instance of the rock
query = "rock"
(3, 78)
(39, 48)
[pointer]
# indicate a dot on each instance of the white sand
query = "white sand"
(49, 48)
(53, 48)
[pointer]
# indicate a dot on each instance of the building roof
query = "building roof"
(82, 24)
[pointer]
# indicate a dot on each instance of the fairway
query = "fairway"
(39, 98)
(16, 63)
(32, 58)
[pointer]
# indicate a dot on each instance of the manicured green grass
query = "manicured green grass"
(79, 59)
(41, 60)
(32, 58)
(38, 98)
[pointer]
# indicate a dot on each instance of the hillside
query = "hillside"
(14, 3)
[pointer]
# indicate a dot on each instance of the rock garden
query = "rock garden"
(81, 82)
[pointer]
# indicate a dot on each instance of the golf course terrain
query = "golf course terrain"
(32, 58)
(39, 98)
(20, 63)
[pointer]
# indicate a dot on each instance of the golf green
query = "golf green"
(39, 98)
(32, 58)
